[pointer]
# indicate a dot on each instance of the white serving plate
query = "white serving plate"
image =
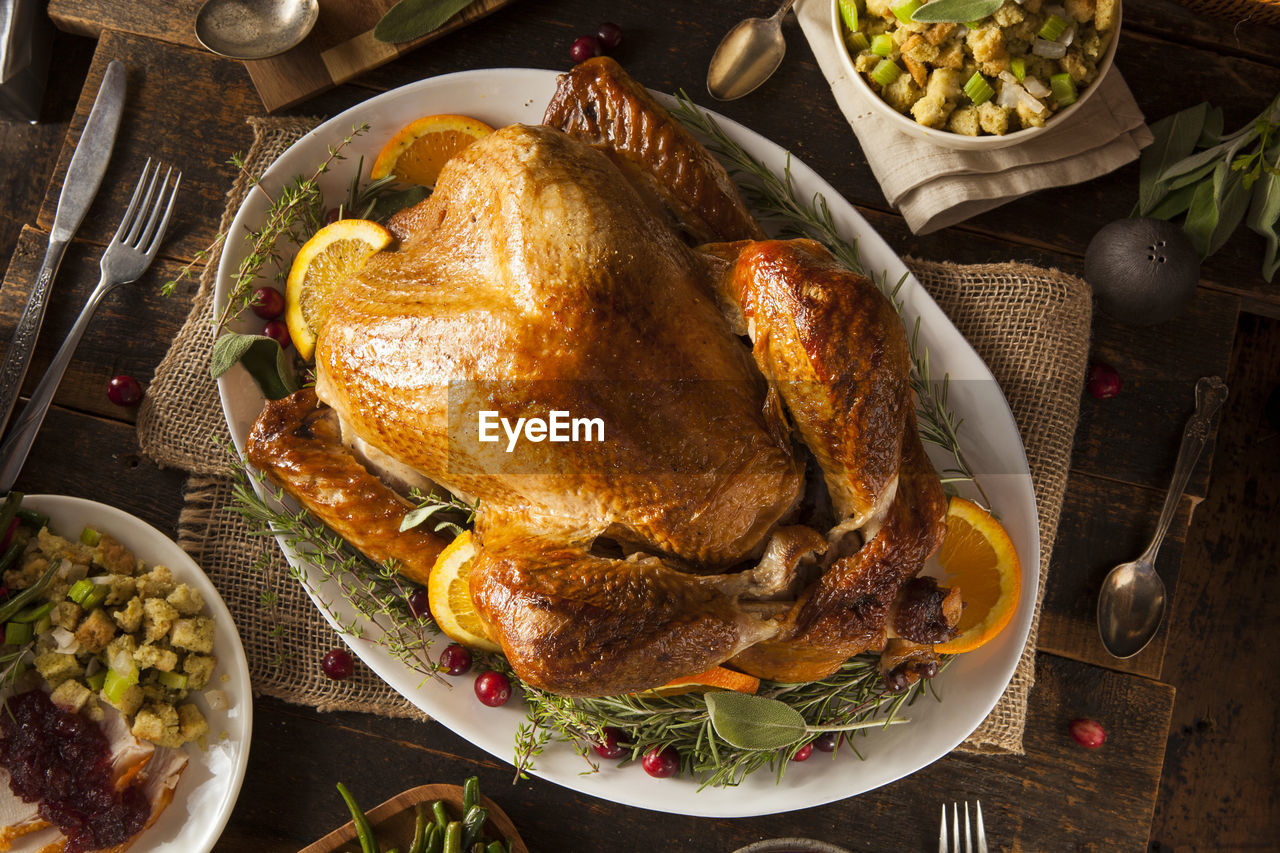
(207, 791)
(971, 685)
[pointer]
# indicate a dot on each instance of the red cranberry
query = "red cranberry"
(609, 35)
(1103, 381)
(332, 215)
(1088, 733)
(609, 747)
(661, 762)
(338, 664)
(419, 603)
(584, 47)
(455, 659)
(277, 330)
(267, 303)
(493, 688)
(8, 535)
(124, 390)
(828, 741)
(803, 753)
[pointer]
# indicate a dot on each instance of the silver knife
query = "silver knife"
(84, 176)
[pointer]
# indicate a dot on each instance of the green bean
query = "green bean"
(470, 793)
(441, 814)
(473, 825)
(435, 839)
(419, 844)
(495, 847)
(453, 837)
(364, 832)
(8, 509)
(10, 555)
(34, 520)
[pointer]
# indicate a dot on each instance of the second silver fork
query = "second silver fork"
(975, 838)
(126, 258)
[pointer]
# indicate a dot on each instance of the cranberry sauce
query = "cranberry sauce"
(63, 761)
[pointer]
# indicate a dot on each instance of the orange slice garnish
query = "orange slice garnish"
(978, 557)
(419, 150)
(449, 595)
(716, 678)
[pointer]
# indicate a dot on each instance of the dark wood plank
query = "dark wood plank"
(1222, 770)
(299, 755)
(90, 457)
(1104, 523)
(1222, 33)
(129, 334)
(28, 150)
(167, 20)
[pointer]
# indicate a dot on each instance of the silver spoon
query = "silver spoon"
(747, 56)
(254, 29)
(1131, 601)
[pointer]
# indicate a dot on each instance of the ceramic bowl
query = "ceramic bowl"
(791, 845)
(946, 138)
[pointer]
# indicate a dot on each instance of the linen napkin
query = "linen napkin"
(933, 187)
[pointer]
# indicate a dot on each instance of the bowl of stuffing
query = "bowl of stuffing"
(976, 74)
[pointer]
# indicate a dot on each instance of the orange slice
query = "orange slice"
(449, 595)
(418, 152)
(321, 265)
(716, 678)
(978, 557)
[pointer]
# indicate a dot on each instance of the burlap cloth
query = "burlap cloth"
(1030, 325)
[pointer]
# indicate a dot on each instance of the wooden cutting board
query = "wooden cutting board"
(342, 46)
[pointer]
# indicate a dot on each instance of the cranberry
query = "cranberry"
(803, 753)
(1103, 381)
(1088, 733)
(661, 762)
(493, 688)
(267, 303)
(584, 47)
(332, 215)
(124, 390)
(609, 35)
(338, 664)
(278, 331)
(828, 741)
(456, 660)
(8, 535)
(609, 747)
(419, 603)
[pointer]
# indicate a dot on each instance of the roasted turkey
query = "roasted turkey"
(760, 496)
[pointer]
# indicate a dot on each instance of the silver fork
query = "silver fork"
(127, 257)
(975, 840)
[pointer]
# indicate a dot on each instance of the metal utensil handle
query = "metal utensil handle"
(1211, 393)
(18, 358)
(13, 453)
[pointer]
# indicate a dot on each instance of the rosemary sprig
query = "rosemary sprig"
(773, 198)
(852, 700)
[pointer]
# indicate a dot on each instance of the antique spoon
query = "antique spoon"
(254, 29)
(1131, 601)
(747, 56)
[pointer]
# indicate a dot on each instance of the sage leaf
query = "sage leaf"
(955, 11)
(262, 356)
(754, 722)
(1232, 204)
(1175, 139)
(1202, 218)
(411, 19)
(1211, 133)
(1264, 211)
(1176, 202)
(393, 202)
(417, 516)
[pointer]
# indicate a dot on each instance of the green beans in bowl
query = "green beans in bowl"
(976, 73)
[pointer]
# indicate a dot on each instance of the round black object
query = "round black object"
(1143, 271)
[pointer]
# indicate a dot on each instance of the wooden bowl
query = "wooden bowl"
(393, 821)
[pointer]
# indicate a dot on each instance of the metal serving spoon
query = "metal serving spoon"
(1131, 601)
(747, 56)
(254, 29)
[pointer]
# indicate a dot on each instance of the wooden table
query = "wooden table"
(189, 107)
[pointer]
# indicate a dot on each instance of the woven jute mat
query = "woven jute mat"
(1030, 325)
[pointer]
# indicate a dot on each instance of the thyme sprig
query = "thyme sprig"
(445, 511)
(377, 592)
(773, 197)
(852, 700)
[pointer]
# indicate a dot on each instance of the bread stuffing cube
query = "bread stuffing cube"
(158, 723)
(114, 557)
(156, 583)
(150, 656)
(195, 634)
(191, 723)
(95, 631)
(199, 669)
(129, 617)
(130, 700)
(71, 695)
(158, 617)
(186, 600)
(55, 667)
